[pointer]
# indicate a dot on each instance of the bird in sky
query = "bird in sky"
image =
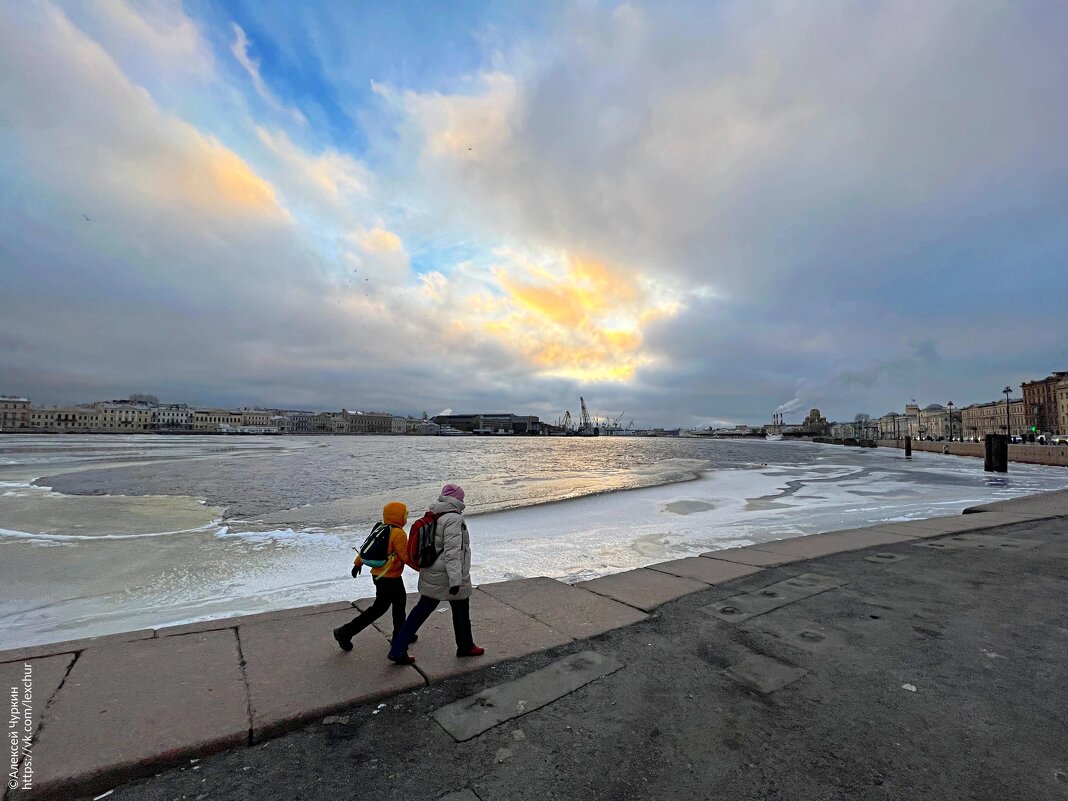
(86, 216)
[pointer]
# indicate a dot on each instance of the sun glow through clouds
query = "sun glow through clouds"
(578, 319)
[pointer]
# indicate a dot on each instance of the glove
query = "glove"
(356, 570)
(453, 590)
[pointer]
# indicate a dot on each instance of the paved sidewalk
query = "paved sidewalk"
(817, 649)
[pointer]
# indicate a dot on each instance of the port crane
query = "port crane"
(586, 424)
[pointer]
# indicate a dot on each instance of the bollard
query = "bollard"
(908, 447)
(996, 453)
(1001, 454)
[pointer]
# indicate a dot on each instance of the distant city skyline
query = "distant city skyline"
(688, 213)
(1044, 405)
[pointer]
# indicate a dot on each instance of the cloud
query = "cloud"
(466, 127)
(923, 358)
(378, 259)
(673, 209)
(97, 129)
(239, 48)
(188, 271)
(577, 319)
(717, 140)
(843, 179)
(330, 175)
(159, 29)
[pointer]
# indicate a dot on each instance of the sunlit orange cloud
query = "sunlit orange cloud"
(582, 320)
(379, 239)
(232, 180)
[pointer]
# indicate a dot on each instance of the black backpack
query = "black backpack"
(375, 549)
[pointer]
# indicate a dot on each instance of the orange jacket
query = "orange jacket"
(396, 514)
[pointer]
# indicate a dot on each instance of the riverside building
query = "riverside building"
(174, 416)
(491, 423)
(14, 412)
(1062, 408)
(1042, 402)
(981, 419)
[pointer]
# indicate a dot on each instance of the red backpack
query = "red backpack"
(421, 549)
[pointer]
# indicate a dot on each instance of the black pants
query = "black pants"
(461, 625)
(388, 592)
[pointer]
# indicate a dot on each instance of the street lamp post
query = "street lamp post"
(950, 405)
(1008, 429)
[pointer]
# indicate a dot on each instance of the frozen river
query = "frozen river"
(106, 533)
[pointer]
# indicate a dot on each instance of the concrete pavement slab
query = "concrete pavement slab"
(504, 632)
(885, 558)
(72, 646)
(816, 545)
(708, 571)
(478, 713)
(461, 795)
(243, 620)
(1046, 503)
(44, 674)
(751, 555)
(570, 610)
(297, 673)
(129, 708)
(741, 607)
(812, 636)
(643, 588)
(908, 528)
(32, 682)
(815, 638)
(969, 541)
(938, 526)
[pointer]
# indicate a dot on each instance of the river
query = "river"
(107, 533)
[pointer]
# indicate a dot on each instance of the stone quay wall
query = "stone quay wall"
(1053, 455)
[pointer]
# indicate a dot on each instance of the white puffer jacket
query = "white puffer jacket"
(453, 567)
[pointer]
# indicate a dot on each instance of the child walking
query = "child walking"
(389, 586)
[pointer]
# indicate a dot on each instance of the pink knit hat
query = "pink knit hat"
(453, 491)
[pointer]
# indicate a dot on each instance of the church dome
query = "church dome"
(934, 407)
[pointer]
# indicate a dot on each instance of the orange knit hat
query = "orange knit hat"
(395, 513)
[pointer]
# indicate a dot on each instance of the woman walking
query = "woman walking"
(447, 579)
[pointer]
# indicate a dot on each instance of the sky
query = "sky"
(690, 214)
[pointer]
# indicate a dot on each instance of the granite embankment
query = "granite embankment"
(1053, 455)
(812, 667)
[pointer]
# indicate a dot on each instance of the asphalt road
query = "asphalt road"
(980, 635)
